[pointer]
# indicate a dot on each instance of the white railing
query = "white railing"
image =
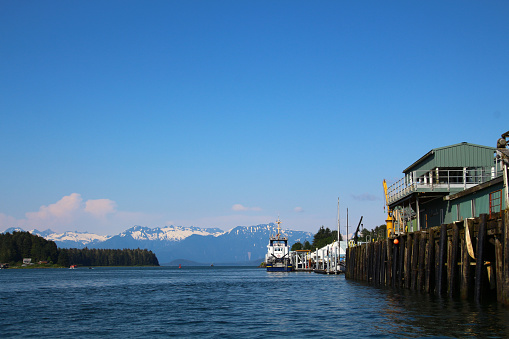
(441, 179)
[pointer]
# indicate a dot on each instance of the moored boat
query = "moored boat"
(277, 258)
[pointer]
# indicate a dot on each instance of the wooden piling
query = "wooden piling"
(479, 264)
(442, 248)
(389, 271)
(376, 268)
(453, 261)
(383, 262)
(466, 277)
(395, 261)
(504, 298)
(448, 260)
(422, 260)
(369, 260)
(415, 259)
(499, 268)
(401, 261)
(429, 286)
(408, 260)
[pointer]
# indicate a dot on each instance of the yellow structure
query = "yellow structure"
(389, 221)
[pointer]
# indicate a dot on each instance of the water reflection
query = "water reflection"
(427, 315)
(229, 302)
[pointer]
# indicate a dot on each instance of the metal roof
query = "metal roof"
(458, 155)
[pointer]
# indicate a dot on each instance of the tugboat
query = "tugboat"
(277, 258)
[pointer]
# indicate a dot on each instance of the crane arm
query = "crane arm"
(389, 221)
(386, 196)
(355, 237)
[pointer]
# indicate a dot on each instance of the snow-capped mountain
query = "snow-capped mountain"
(14, 229)
(241, 244)
(167, 233)
(72, 238)
(155, 238)
(43, 234)
(268, 229)
(136, 234)
(206, 245)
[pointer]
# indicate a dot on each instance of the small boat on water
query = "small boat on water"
(277, 258)
(73, 267)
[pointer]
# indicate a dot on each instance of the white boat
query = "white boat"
(277, 258)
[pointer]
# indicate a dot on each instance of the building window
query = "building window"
(495, 202)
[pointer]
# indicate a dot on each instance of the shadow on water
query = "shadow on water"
(419, 314)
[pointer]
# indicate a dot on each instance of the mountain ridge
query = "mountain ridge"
(241, 244)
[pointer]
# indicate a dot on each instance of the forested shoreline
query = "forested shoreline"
(20, 245)
(323, 237)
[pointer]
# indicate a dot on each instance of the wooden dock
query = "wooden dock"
(467, 259)
(328, 272)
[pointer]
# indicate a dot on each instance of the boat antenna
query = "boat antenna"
(278, 227)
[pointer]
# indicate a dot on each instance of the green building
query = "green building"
(447, 184)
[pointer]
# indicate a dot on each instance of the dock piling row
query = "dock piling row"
(467, 259)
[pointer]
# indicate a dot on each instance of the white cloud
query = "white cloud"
(100, 207)
(72, 213)
(298, 209)
(64, 210)
(239, 207)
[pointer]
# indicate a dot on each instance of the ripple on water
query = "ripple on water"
(226, 302)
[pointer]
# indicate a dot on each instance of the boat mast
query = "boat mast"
(278, 227)
(347, 228)
(339, 247)
(338, 221)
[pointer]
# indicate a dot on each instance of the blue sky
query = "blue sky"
(226, 113)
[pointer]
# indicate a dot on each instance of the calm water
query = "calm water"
(226, 302)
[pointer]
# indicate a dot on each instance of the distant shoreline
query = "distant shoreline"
(31, 267)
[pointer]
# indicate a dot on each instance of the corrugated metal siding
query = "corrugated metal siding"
(459, 155)
(464, 155)
(482, 203)
(426, 165)
(466, 209)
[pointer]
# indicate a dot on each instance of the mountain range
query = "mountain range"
(240, 245)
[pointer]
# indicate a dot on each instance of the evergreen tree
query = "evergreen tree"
(307, 245)
(297, 246)
(14, 247)
(325, 236)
